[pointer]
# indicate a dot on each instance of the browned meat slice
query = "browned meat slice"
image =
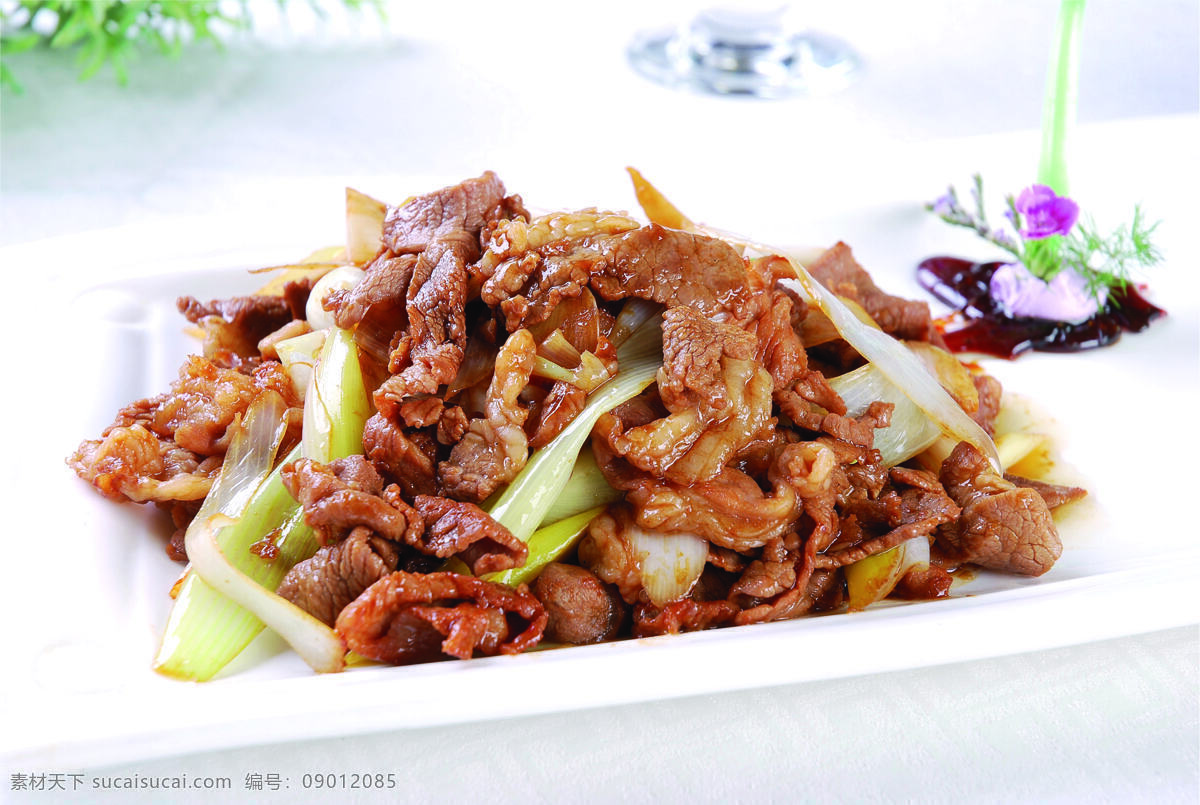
(838, 271)
(1003, 526)
(233, 328)
(820, 591)
(767, 577)
(380, 295)
(562, 404)
(408, 460)
(731, 510)
(663, 265)
(346, 494)
(778, 346)
(990, 392)
(296, 293)
(674, 268)
(205, 399)
(406, 618)
(693, 350)
(915, 506)
(243, 321)
(337, 574)
(156, 448)
(924, 583)
(430, 352)
(580, 608)
(182, 513)
(718, 399)
(452, 425)
(1053, 494)
(682, 616)
(455, 528)
(132, 463)
(495, 446)
(467, 206)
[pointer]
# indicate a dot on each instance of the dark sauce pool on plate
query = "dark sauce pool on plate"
(963, 285)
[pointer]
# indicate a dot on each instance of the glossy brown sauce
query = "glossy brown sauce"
(963, 285)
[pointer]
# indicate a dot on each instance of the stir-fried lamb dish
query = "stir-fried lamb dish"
(738, 487)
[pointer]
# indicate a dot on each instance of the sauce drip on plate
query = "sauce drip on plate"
(963, 285)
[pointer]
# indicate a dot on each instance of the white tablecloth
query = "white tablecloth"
(541, 93)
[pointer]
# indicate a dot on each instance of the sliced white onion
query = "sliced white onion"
(299, 355)
(634, 313)
(340, 279)
(316, 643)
(670, 563)
(910, 430)
(896, 362)
(873, 579)
(364, 225)
(892, 357)
(251, 455)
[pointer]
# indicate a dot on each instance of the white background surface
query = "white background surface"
(540, 93)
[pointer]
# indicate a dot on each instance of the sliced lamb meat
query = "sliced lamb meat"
(513, 248)
(1053, 494)
(348, 493)
(731, 510)
(467, 206)
(718, 399)
(923, 584)
(682, 616)
(296, 293)
(380, 296)
(431, 351)
(778, 346)
(562, 404)
(580, 608)
(132, 463)
(337, 574)
(674, 268)
(766, 578)
(252, 316)
(694, 348)
(663, 265)
(408, 459)
(406, 618)
(820, 591)
(455, 528)
(838, 271)
(156, 449)
(990, 392)
(1003, 526)
(205, 399)
(495, 446)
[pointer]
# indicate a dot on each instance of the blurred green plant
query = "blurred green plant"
(113, 31)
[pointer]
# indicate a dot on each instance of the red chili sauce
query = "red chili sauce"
(963, 285)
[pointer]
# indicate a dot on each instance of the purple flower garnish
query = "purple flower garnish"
(943, 205)
(1045, 213)
(1065, 298)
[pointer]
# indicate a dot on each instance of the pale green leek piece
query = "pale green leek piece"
(205, 630)
(522, 506)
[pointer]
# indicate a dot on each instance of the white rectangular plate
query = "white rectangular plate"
(86, 581)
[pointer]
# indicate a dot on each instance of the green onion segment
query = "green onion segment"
(523, 505)
(547, 545)
(205, 629)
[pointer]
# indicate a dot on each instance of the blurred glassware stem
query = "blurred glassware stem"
(756, 49)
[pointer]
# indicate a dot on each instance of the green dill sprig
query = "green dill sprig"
(1107, 260)
(1103, 260)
